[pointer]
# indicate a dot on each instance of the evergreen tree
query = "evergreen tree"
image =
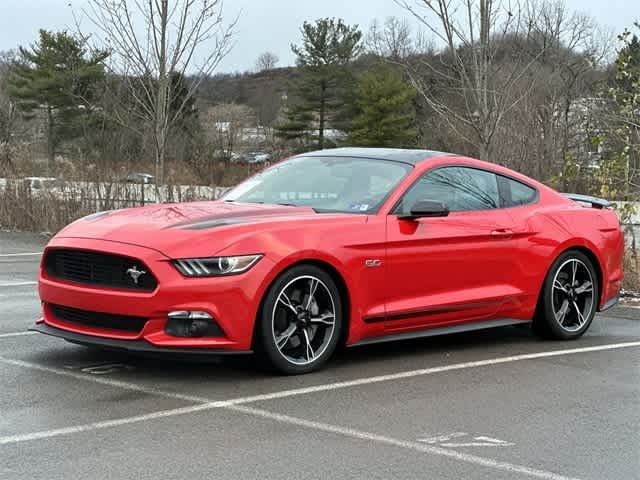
(385, 113)
(628, 62)
(57, 75)
(618, 173)
(328, 47)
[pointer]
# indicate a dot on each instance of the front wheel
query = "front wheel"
(301, 320)
(569, 299)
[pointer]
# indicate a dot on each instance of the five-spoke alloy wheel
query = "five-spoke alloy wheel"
(570, 297)
(301, 320)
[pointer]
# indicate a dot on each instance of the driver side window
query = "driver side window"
(460, 188)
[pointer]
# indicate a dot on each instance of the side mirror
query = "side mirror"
(426, 208)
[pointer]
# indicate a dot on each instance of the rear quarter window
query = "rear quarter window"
(522, 194)
(519, 193)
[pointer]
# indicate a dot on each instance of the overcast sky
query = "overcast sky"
(264, 24)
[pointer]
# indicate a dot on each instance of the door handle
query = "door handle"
(502, 233)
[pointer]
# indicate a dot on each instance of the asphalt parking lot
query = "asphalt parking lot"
(496, 404)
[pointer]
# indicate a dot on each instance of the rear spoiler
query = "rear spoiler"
(593, 201)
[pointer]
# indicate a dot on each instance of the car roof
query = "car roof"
(405, 155)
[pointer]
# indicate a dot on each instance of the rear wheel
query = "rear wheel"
(300, 321)
(569, 299)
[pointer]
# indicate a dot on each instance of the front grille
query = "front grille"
(103, 269)
(106, 321)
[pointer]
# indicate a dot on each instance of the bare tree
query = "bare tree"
(266, 61)
(471, 69)
(393, 39)
(151, 42)
(573, 47)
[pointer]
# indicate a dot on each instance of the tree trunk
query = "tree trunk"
(323, 101)
(160, 154)
(483, 151)
(50, 142)
(161, 117)
(548, 151)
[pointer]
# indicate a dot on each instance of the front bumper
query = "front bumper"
(232, 301)
(129, 346)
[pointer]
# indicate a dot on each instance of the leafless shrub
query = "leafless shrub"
(631, 283)
(20, 209)
(53, 205)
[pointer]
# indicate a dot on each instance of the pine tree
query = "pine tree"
(385, 112)
(628, 63)
(327, 49)
(618, 173)
(57, 75)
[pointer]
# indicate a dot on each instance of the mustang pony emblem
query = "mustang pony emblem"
(135, 274)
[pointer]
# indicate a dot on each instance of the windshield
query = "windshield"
(331, 184)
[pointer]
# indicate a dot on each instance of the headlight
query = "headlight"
(216, 266)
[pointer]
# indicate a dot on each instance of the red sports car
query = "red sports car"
(346, 246)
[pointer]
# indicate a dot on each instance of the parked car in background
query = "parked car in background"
(38, 183)
(250, 157)
(141, 178)
(258, 157)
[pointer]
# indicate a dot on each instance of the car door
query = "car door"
(454, 268)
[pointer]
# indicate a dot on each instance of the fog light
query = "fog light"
(184, 323)
(198, 328)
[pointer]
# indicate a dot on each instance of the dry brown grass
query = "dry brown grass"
(21, 210)
(631, 271)
(49, 209)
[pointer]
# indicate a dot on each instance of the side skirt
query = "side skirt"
(432, 332)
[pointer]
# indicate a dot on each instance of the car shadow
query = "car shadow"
(248, 367)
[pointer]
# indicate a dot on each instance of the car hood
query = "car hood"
(188, 229)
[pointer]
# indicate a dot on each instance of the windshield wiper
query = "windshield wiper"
(331, 210)
(276, 203)
(267, 203)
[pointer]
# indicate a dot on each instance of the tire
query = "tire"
(297, 332)
(569, 299)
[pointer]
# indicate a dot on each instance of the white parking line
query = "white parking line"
(344, 431)
(206, 403)
(432, 370)
(16, 334)
(418, 447)
(235, 404)
(28, 254)
(27, 437)
(103, 381)
(17, 284)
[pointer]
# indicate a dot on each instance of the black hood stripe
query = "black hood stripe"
(215, 223)
(234, 218)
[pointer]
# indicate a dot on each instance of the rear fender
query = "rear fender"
(594, 231)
